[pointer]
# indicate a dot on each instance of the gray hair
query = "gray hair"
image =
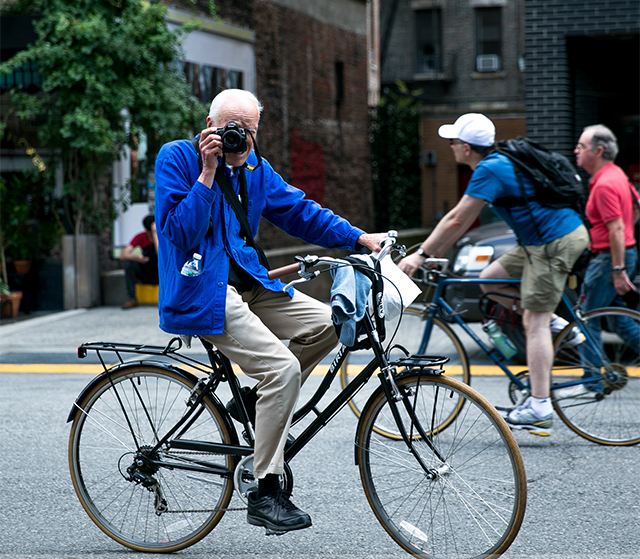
(220, 100)
(602, 136)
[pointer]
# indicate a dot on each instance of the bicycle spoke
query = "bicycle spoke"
(467, 506)
(133, 493)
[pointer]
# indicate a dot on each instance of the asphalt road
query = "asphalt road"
(584, 499)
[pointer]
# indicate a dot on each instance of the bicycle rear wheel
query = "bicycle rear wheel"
(603, 403)
(471, 500)
(119, 421)
(442, 341)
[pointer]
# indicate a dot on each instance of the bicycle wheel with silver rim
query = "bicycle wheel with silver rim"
(603, 403)
(142, 499)
(442, 341)
(468, 497)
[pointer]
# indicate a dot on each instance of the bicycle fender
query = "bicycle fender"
(162, 365)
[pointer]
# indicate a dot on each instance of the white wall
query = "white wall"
(215, 44)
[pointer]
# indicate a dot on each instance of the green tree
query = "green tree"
(395, 152)
(110, 72)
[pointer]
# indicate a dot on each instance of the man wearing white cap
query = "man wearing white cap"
(550, 242)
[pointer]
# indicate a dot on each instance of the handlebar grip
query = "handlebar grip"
(284, 271)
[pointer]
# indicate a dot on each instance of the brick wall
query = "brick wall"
(555, 111)
(313, 139)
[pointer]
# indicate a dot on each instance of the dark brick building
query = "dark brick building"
(544, 68)
(582, 68)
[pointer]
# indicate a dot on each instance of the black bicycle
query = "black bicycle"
(155, 457)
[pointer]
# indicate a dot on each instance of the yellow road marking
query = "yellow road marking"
(96, 368)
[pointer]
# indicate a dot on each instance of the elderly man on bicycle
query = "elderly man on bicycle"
(547, 251)
(232, 302)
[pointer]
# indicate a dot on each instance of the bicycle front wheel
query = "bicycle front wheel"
(146, 500)
(470, 499)
(442, 341)
(599, 398)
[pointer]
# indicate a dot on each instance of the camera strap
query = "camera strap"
(238, 208)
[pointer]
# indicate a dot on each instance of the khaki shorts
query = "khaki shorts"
(544, 269)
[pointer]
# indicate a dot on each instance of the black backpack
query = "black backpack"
(557, 185)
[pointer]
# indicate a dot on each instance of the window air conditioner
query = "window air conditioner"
(488, 63)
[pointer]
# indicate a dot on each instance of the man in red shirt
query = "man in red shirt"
(612, 209)
(141, 267)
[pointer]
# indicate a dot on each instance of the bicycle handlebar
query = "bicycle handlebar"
(287, 270)
(304, 264)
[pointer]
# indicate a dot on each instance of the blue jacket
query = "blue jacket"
(184, 207)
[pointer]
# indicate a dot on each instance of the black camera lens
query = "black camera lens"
(234, 138)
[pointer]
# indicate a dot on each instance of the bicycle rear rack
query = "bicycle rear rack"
(170, 351)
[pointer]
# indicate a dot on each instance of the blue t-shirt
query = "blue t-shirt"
(495, 178)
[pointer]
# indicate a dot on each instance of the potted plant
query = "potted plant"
(14, 211)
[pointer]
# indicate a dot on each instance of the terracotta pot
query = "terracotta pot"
(22, 266)
(11, 303)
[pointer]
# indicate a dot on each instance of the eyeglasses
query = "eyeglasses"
(581, 146)
(455, 143)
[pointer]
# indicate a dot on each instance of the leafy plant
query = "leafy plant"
(109, 73)
(395, 151)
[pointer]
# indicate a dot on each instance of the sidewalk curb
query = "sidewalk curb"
(8, 329)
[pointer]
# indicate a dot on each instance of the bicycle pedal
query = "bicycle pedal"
(270, 532)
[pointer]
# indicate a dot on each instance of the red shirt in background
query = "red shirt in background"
(609, 199)
(141, 240)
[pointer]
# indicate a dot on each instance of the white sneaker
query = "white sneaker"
(573, 338)
(523, 417)
(577, 391)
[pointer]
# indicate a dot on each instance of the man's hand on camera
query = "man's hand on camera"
(210, 152)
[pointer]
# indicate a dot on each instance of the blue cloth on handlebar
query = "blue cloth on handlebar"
(349, 294)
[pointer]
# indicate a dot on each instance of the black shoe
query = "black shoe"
(249, 399)
(276, 512)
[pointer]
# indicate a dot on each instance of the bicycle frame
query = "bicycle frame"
(220, 370)
(439, 303)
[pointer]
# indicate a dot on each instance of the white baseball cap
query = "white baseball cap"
(472, 128)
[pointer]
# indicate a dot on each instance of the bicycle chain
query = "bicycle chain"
(230, 509)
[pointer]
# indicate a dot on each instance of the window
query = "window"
(207, 81)
(488, 39)
(428, 41)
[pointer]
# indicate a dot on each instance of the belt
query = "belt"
(608, 250)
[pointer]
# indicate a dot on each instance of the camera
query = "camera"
(234, 138)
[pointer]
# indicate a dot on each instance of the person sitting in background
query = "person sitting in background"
(141, 266)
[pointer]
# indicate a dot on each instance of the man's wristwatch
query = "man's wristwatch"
(422, 253)
(618, 269)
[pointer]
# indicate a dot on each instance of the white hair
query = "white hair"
(603, 136)
(223, 98)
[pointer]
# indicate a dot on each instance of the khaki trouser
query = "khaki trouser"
(255, 324)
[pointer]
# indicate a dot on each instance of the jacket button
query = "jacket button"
(220, 284)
